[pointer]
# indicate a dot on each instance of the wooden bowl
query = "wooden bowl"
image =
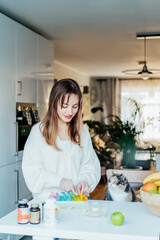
(151, 201)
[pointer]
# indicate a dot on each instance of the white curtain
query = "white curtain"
(147, 95)
(105, 93)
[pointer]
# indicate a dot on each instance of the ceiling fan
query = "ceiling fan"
(144, 73)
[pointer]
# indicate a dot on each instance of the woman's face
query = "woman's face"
(69, 108)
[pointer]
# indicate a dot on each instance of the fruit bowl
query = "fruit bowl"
(151, 201)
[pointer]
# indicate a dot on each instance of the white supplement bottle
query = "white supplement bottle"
(49, 214)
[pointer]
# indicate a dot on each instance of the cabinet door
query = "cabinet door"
(26, 55)
(7, 189)
(7, 91)
(45, 58)
(23, 191)
(45, 74)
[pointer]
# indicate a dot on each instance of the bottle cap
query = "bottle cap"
(35, 205)
(23, 201)
(50, 201)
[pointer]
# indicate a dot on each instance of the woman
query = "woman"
(58, 155)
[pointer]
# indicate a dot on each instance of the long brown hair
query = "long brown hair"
(50, 122)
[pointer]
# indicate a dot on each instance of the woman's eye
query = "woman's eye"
(75, 106)
(64, 106)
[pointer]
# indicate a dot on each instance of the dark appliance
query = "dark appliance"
(27, 116)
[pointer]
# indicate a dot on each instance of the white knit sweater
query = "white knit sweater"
(44, 167)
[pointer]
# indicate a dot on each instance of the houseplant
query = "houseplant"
(123, 137)
(119, 135)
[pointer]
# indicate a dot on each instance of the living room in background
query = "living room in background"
(146, 94)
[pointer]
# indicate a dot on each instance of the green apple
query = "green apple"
(117, 218)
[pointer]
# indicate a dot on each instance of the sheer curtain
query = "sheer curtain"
(105, 93)
(147, 95)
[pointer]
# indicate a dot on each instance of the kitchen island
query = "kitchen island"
(139, 224)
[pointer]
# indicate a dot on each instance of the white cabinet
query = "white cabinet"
(45, 58)
(7, 91)
(7, 189)
(26, 64)
(22, 189)
(45, 74)
(22, 54)
(27, 90)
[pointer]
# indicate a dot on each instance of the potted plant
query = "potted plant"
(120, 135)
(124, 134)
(123, 137)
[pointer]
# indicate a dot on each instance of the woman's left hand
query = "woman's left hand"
(83, 187)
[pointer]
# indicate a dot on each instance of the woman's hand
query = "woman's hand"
(83, 187)
(67, 185)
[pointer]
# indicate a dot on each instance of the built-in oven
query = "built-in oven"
(26, 116)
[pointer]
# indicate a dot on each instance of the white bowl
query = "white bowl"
(151, 201)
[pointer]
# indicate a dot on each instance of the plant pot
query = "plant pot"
(146, 164)
(128, 159)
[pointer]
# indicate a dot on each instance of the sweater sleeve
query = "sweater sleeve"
(35, 174)
(90, 166)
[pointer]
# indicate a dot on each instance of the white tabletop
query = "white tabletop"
(139, 224)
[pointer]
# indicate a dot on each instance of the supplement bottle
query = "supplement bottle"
(49, 215)
(35, 214)
(23, 211)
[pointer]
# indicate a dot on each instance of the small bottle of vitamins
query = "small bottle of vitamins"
(49, 216)
(35, 214)
(23, 211)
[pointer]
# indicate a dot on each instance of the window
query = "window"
(147, 95)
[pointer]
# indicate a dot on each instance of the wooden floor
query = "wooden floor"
(99, 192)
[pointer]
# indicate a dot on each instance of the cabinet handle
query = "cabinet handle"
(20, 88)
(16, 154)
(17, 173)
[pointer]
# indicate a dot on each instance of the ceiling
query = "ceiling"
(97, 38)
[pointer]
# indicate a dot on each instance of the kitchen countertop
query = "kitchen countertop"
(139, 224)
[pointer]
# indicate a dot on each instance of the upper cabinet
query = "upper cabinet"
(34, 68)
(7, 91)
(26, 64)
(45, 74)
(45, 58)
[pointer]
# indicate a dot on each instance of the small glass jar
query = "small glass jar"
(23, 211)
(35, 214)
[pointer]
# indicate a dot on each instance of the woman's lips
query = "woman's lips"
(68, 117)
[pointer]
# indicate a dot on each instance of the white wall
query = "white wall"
(63, 71)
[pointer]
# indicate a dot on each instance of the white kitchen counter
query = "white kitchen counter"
(139, 224)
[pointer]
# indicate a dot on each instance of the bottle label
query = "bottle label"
(23, 215)
(35, 217)
(49, 216)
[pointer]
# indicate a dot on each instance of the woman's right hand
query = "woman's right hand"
(83, 187)
(67, 185)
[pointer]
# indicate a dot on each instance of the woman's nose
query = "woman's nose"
(69, 111)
